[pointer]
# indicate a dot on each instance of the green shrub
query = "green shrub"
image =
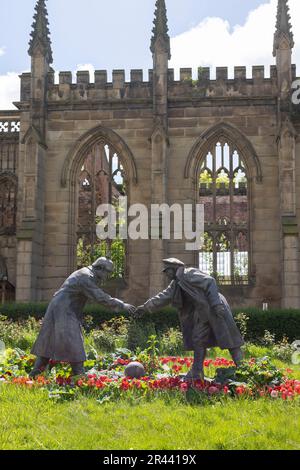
(171, 342)
(20, 334)
(139, 333)
(103, 340)
(242, 322)
(15, 311)
(254, 350)
(112, 334)
(268, 339)
(280, 322)
(283, 350)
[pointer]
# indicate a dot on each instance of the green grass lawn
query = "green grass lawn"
(29, 420)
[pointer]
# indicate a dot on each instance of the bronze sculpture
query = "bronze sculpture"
(60, 338)
(205, 316)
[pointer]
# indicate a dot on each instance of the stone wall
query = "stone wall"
(9, 153)
(242, 109)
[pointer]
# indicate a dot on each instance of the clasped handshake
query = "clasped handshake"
(136, 312)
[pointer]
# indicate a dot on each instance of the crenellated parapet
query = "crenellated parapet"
(140, 87)
(100, 89)
(240, 85)
(259, 84)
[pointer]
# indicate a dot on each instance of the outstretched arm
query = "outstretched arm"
(160, 300)
(94, 293)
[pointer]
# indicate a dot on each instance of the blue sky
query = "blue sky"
(115, 34)
(107, 34)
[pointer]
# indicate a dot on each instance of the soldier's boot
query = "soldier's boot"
(39, 366)
(197, 372)
(77, 368)
(236, 355)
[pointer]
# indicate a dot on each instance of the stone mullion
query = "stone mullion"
(110, 182)
(93, 201)
(231, 224)
(215, 232)
(214, 187)
(249, 228)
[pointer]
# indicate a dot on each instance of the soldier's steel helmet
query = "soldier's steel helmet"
(103, 263)
(172, 263)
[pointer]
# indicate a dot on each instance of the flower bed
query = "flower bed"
(105, 380)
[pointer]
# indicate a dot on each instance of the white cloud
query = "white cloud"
(10, 85)
(211, 43)
(9, 90)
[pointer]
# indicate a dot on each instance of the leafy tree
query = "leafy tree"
(115, 250)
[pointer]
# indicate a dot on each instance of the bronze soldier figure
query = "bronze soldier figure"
(60, 338)
(205, 316)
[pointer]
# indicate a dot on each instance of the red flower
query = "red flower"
(121, 362)
(207, 362)
(176, 368)
(100, 384)
(125, 385)
(164, 360)
(42, 380)
(240, 390)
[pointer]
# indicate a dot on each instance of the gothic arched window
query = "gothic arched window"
(223, 189)
(101, 181)
(8, 205)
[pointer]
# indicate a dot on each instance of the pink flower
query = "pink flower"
(184, 387)
(297, 389)
(274, 394)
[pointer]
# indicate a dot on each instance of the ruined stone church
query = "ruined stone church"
(230, 144)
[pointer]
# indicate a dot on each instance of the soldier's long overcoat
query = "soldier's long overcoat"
(195, 294)
(60, 337)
